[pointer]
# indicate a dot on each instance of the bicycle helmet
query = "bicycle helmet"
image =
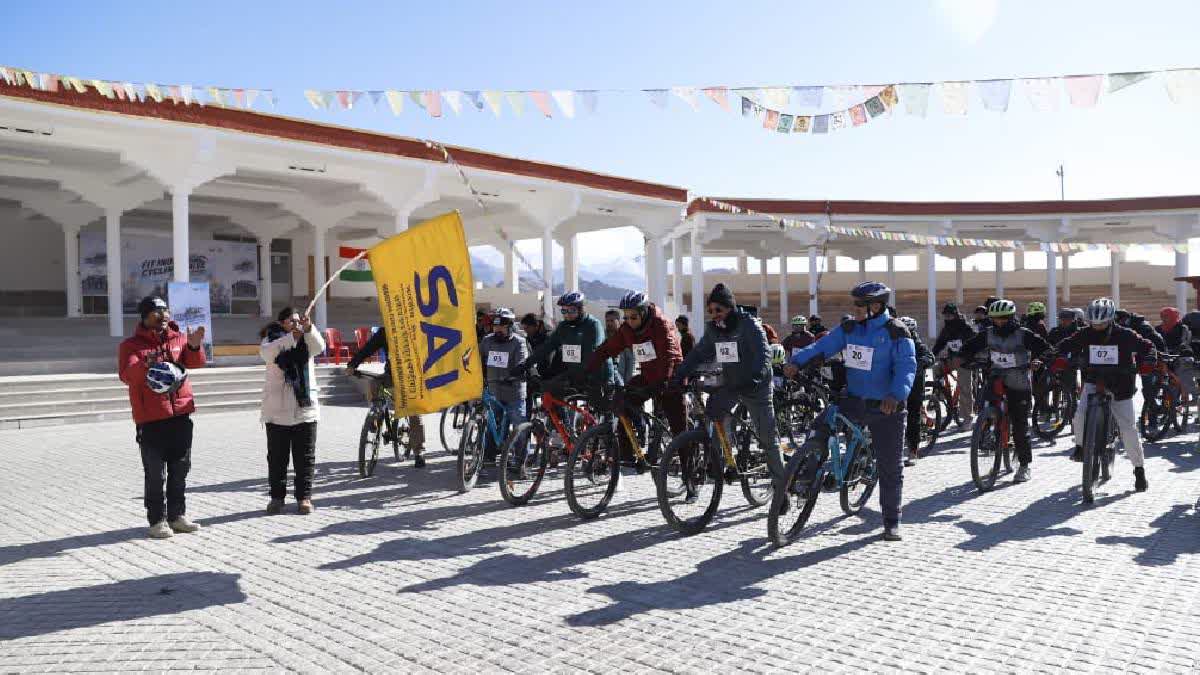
(951, 309)
(909, 323)
(634, 300)
(814, 318)
(1067, 314)
(871, 291)
(572, 299)
(503, 316)
(778, 355)
(1036, 309)
(799, 321)
(165, 377)
(1079, 314)
(1101, 310)
(1002, 308)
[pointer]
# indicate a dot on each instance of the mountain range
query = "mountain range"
(607, 280)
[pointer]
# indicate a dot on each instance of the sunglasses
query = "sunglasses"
(569, 310)
(861, 303)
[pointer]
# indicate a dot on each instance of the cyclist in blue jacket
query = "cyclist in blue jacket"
(881, 364)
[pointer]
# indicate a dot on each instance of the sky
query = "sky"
(1134, 143)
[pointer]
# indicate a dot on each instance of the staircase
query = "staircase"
(42, 400)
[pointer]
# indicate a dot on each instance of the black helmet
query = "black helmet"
(815, 318)
(871, 291)
(950, 308)
(634, 300)
(150, 303)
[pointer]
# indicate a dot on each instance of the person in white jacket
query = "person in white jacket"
(289, 405)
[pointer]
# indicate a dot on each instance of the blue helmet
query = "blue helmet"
(634, 300)
(165, 377)
(571, 299)
(872, 291)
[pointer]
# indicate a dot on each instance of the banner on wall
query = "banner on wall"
(190, 308)
(147, 265)
(426, 300)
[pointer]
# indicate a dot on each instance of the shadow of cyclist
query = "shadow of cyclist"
(1174, 536)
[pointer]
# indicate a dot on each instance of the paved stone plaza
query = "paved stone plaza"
(401, 573)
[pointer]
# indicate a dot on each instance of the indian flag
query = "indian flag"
(360, 270)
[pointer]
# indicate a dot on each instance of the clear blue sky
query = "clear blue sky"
(1135, 143)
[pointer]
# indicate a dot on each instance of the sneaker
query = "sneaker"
(182, 525)
(160, 530)
(1139, 479)
(1023, 473)
(304, 507)
(419, 461)
(1077, 454)
(911, 460)
(641, 466)
(275, 506)
(892, 532)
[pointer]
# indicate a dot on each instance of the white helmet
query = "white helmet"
(1101, 310)
(778, 355)
(165, 377)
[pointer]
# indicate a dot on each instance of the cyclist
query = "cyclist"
(623, 361)
(881, 364)
(817, 328)
(980, 321)
(955, 332)
(651, 339)
(1035, 318)
(1177, 337)
(503, 352)
(916, 397)
(799, 337)
(686, 341)
(416, 429)
(575, 337)
(1067, 325)
(1131, 348)
(1013, 350)
(738, 344)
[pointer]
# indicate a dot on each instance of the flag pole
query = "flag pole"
(325, 286)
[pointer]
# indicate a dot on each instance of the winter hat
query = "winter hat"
(721, 295)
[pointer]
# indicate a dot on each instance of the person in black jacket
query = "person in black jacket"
(1067, 325)
(916, 397)
(1137, 323)
(416, 429)
(956, 332)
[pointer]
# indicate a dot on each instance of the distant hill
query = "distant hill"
(620, 277)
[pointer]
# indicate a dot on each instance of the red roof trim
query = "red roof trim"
(355, 139)
(865, 208)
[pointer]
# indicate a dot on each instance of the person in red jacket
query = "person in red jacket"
(655, 346)
(153, 363)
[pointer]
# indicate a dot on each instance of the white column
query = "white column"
(677, 274)
(742, 264)
(512, 283)
(71, 271)
(697, 323)
(179, 234)
(1181, 287)
(862, 270)
(1051, 287)
(958, 281)
(571, 264)
(783, 292)
(1019, 259)
(931, 306)
(112, 252)
(1114, 276)
(1066, 281)
(264, 285)
(548, 271)
(658, 283)
(999, 274)
(762, 283)
(891, 271)
(812, 281)
(321, 319)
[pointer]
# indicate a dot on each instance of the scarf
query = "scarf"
(294, 364)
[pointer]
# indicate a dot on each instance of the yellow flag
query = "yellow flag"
(427, 301)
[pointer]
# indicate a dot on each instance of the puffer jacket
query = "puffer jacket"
(279, 404)
(888, 349)
(580, 337)
(742, 344)
(133, 360)
(656, 337)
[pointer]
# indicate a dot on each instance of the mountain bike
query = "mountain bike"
(945, 393)
(1100, 428)
(487, 421)
(837, 457)
(1053, 403)
(1167, 403)
(934, 414)
(553, 427)
(380, 427)
(991, 437)
(451, 424)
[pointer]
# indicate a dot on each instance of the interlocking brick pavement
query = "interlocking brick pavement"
(401, 573)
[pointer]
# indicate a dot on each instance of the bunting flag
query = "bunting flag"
(476, 100)
(658, 97)
(915, 97)
(591, 101)
(517, 100)
(1118, 81)
(954, 98)
(858, 115)
(1043, 95)
(495, 101)
(719, 95)
(802, 124)
(395, 101)
(1183, 86)
(375, 97)
(154, 92)
(565, 98)
(433, 103)
(809, 97)
(1083, 90)
(454, 100)
(542, 101)
(688, 95)
(995, 94)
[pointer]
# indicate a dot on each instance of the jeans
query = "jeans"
(515, 412)
(166, 447)
(297, 443)
(887, 433)
(760, 403)
(1123, 414)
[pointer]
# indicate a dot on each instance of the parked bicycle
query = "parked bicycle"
(450, 426)
(1054, 403)
(380, 427)
(486, 427)
(1168, 401)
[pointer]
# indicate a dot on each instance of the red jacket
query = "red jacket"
(133, 360)
(662, 336)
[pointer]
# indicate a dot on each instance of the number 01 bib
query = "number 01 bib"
(644, 352)
(1102, 355)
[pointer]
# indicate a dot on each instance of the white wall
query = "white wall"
(22, 242)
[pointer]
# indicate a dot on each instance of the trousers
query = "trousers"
(1126, 419)
(887, 432)
(296, 444)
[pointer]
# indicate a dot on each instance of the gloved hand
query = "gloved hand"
(520, 370)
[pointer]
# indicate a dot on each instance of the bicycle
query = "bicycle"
(798, 403)
(693, 464)
(521, 477)
(483, 424)
(932, 418)
(991, 437)
(452, 421)
(1168, 405)
(594, 464)
(1099, 429)
(945, 392)
(837, 457)
(380, 426)
(1053, 404)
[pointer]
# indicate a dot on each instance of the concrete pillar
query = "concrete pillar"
(783, 291)
(71, 270)
(891, 271)
(677, 274)
(512, 283)
(931, 279)
(265, 297)
(179, 234)
(112, 253)
(1051, 287)
(657, 282)
(1114, 276)
(1181, 270)
(762, 283)
(1066, 281)
(812, 281)
(862, 270)
(999, 274)
(1019, 259)
(958, 281)
(571, 263)
(697, 322)
(321, 310)
(548, 272)
(742, 264)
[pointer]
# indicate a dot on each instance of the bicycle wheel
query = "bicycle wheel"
(470, 450)
(861, 478)
(1095, 438)
(689, 482)
(932, 417)
(1157, 417)
(399, 436)
(950, 411)
(753, 471)
(792, 505)
(593, 470)
(1183, 408)
(369, 440)
(1049, 414)
(521, 473)
(446, 427)
(986, 453)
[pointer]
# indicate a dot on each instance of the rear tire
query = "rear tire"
(470, 451)
(689, 467)
(521, 477)
(985, 451)
(369, 440)
(933, 420)
(592, 471)
(1158, 416)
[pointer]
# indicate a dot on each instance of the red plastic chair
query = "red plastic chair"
(334, 347)
(361, 336)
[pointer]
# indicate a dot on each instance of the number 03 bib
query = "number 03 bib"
(497, 359)
(1102, 355)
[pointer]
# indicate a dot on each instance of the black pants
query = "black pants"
(297, 443)
(166, 447)
(886, 432)
(914, 423)
(1018, 416)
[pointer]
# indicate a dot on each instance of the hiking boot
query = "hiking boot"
(892, 532)
(419, 460)
(182, 525)
(1023, 474)
(275, 506)
(1077, 454)
(160, 530)
(1139, 479)
(305, 507)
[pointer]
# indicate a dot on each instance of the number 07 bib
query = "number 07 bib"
(1102, 355)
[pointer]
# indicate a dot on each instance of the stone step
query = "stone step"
(326, 375)
(116, 390)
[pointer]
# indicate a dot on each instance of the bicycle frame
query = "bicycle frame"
(495, 427)
(1000, 401)
(550, 406)
(833, 420)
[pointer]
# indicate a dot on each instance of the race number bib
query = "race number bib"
(1003, 360)
(727, 352)
(497, 359)
(858, 357)
(1103, 355)
(572, 353)
(954, 345)
(644, 352)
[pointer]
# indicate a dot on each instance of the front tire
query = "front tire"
(470, 452)
(593, 470)
(689, 482)
(793, 503)
(860, 482)
(521, 476)
(369, 440)
(986, 453)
